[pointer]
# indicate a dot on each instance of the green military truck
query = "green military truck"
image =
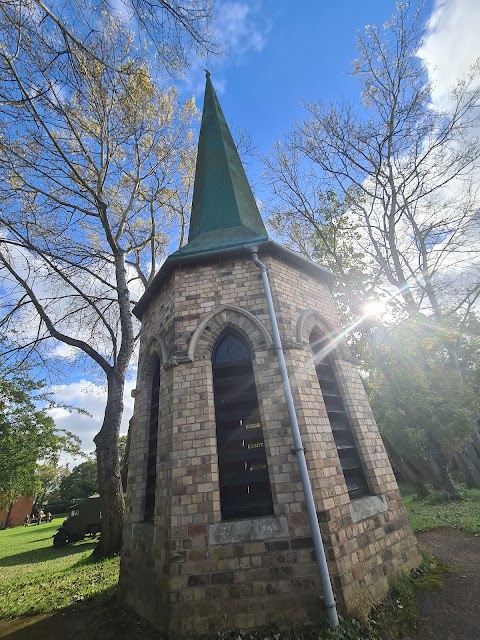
(85, 519)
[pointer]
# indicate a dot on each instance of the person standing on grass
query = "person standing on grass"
(40, 516)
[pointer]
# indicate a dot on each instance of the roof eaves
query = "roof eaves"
(268, 247)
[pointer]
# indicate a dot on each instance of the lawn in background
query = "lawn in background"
(435, 511)
(35, 577)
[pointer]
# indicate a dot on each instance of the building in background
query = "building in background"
(15, 515)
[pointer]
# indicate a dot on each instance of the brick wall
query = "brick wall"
(191, 571)
(16, 514)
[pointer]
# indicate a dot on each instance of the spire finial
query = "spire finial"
(224, 211)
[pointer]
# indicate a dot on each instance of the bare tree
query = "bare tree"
(94, 156)
(173, 31)
(413, 167)
(405, 172)
(317, 221)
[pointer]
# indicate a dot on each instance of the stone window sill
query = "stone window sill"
(366, 507)
(248, 530)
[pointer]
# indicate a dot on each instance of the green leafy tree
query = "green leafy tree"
(49, 475)
(81, 483)
(29, 439)
(424, 409)
(468, 338)
(122, 448)
(319, 225)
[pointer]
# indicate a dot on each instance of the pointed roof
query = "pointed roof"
(225, 221)
(224, 211)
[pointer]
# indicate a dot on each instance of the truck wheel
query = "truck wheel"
(60, 538)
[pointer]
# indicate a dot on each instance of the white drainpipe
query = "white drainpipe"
(322, 566)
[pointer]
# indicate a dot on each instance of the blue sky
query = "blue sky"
(281, 56)
(278, 56)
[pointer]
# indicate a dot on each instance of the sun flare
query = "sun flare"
(374, 308)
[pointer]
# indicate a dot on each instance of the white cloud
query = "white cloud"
(240, 29)
(63, 351)
(449, 50)
(124, 12)
(450, 46)
(236, 28)
(92, 397)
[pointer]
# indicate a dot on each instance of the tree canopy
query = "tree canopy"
(28, 437)
(80, 483)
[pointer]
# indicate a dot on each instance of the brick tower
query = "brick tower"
(219, 529)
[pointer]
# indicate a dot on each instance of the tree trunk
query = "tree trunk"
(474, 455)
(410, 477)
(476, 443)
(401, 465)
(8, 515)
(124, 464)
(440, 468)
(467, 467)
(109, 479)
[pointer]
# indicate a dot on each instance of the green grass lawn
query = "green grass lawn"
(35, 577)
(430, 513)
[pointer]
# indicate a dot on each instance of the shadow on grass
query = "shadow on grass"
(46, 554)
(90, 560)
(39, 539)
(97, 618)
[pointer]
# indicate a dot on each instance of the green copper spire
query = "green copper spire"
(224, 211)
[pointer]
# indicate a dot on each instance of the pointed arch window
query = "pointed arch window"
(245, 490)
(339, 421)
(151, 479)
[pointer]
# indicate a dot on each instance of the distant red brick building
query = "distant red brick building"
(15, 514)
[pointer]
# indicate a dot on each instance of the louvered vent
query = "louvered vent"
(244, 481)
(152, 445)
(341, 428)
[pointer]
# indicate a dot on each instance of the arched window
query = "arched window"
(339, 421)
(151, 479)
(244, 481)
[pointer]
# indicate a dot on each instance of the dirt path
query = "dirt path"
(79, 623)
(452, 613)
